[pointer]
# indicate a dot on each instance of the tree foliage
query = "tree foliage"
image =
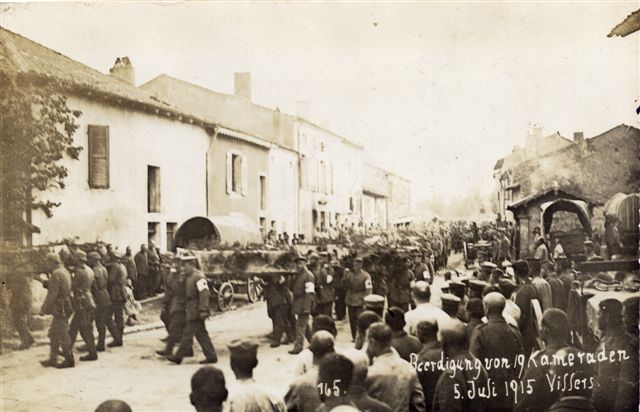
(36, 133)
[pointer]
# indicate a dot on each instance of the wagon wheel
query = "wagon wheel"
(225, 296)
(254, 289)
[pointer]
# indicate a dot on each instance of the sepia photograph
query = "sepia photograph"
(315, 206)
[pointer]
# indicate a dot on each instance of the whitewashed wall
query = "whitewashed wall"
(118, 214)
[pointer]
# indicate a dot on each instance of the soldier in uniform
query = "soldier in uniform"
(280, 306)
(420, 270)
(197, 311)
(58, 304)
(450, 304)
(497, 339)
(246, 394)
(358, 285)
(554, 331)
(153, 258)
(84, 306)
(340, 291)
(104, 316)
(303, 290)
(116, 283)
(176, 301)
(400, 286)
(325, 291)
(142, 266)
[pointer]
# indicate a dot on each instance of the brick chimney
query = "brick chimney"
(578, 137)
(242, 85)
(123, 70)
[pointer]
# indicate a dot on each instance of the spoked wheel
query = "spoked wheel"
(254, 289)
(225, 296)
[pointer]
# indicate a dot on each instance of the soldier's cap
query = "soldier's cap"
(445, 286)
(611, 306)
(94, 256)
(358, 259)
(457, 286)
(186, 256)
(243, 348)
(506, 284)
(449, 299)
(323, 253)
(81, 255)
(477, 285)
(53, 257)
(488, 265)
(521, 268)
(117, 253)
(374, 301)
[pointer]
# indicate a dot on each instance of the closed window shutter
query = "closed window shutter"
(229, 172)
(245, 181)
(98, 157)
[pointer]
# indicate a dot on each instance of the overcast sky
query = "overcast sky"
(436, 92)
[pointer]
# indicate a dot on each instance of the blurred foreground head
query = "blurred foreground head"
(208, 389)
(113, 405)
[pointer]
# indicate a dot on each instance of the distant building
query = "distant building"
(386, 199)
(136, 179)
(507, 188)
(592, 169)
(252, 167)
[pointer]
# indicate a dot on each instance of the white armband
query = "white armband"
(202, 285)
(309, 287)
(368, 284)
(329, 279)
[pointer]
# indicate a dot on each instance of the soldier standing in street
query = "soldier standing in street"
(104, 316)
(58, 304)
(358, 285)
(303, 290)
(279, 306)
(116, 283)
(153, 258)
(84, 306)
(326, 292)
(176, 302)
(340, 291)
(400, 286)
(197, 311)
(142, 266)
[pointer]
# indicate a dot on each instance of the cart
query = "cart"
(230, 272)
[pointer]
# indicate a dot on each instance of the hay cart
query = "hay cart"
(243, 272)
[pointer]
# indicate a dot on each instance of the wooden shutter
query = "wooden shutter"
(244, 180)
(98, 157)
(229, 172)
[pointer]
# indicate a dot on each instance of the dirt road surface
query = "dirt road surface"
(134, 373)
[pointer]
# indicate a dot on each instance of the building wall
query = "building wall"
(399, 204)
(119, 214)
(330, 178)
(283, 190)
(247, 200)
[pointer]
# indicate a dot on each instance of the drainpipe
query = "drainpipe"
(212, 139)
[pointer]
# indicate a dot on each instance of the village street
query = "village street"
(146, 381)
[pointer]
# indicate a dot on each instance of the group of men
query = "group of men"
(186, 308)
(90, 292)
(319, 284)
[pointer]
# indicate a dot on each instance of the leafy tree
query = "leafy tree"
(36, 133)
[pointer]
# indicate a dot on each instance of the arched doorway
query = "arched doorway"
(196, 229)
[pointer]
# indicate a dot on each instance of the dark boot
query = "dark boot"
(69, 362)
(89, 357)
(189, 353)
(115, 343)
(175, 360)
(100, 347)
(49, 363)
(207, 361)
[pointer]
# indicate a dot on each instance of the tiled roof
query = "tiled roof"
(629, 25)
(21, 56)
